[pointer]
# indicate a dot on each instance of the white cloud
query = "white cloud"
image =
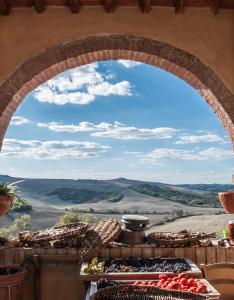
(37, 149)
(45, 94)
(105, 89)
(123, 132)
(133, 152)
(216, 153)
(76, 78)
(80, 86)
(57, 127)
(18, 121)
(129, 63)
(190, 139)
(116, 130)
(157, 155)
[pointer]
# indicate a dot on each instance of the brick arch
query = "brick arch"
(57, 59)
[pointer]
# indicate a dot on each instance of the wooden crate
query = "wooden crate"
(194, 272)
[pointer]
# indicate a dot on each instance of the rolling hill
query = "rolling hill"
(50, 197)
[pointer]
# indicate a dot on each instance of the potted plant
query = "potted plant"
(12, 279)
(11, 276)
(7, 197)
(11, 282)
(227, 201)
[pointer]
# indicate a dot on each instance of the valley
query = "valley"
(162, 203)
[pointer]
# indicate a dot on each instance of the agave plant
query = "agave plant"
(8, 190)
(7, 196)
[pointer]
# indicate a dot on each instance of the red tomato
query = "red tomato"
(202, 285)
(183, 275)
(183, 281)
(192, 289)
(176, 279)
(183, 287)
(173, 285)
(191, 282)
(163, 276)
(200, 290)
(167, 282)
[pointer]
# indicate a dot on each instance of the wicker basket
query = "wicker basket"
(131, 292)
(177, 239)
(45, 236)
(108, 230)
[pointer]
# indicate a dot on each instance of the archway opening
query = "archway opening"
(107, 47)
(136, 122)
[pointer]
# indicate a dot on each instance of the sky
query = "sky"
(117, 119)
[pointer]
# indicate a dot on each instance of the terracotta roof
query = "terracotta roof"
(110, 5)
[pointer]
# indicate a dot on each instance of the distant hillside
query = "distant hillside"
(47, 199)
(79, 196)
(213, 188)
(187, 197)
(127, 194)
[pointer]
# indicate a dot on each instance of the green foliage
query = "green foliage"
(212, 188)
(79, 196)
(110, 211)
(8, 189)
(187, 198)
(21, 205)
(19, 224)
(94, 267)
(70, 217)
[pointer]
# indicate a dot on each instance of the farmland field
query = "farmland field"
(170, 207)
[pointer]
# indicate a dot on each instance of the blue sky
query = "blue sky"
(117, 119)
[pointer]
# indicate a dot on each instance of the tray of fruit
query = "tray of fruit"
(134, 268)
(180, 283)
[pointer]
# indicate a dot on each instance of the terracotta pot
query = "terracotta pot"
(11, 286)
(5, 204)
(227, 201)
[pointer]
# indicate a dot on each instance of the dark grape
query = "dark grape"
(131, 264)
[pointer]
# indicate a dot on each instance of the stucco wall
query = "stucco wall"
(24, 33)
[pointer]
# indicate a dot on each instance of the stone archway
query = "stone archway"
(57, 59)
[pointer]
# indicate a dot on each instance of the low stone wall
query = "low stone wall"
(58, 274)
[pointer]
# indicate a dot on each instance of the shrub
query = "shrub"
(19, 224)
(70, 217)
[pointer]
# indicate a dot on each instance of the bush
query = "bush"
(19, 224)
(70, 217)
(21, 205)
